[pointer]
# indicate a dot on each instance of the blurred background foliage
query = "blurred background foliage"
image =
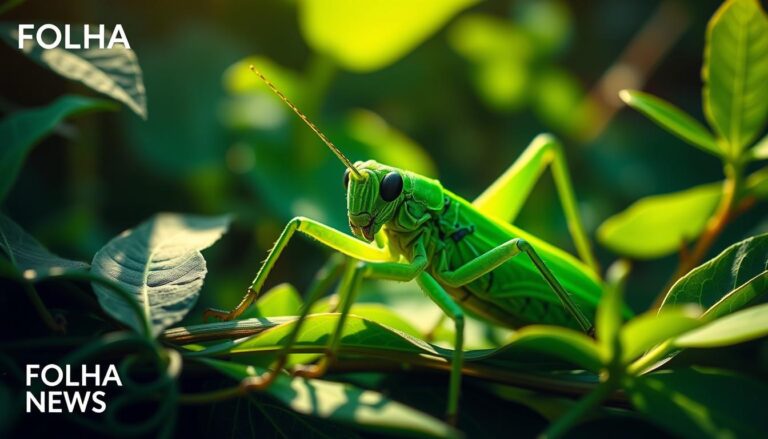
(454, 90)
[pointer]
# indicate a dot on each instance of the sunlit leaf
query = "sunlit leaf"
(672, 119)
(728, 282)
(359, 336)
(280, 300)
(569, 345)
(381, 314)
(342, 403)
(741, 326)
(760, 150)
(21, 130)
(658, 225)
(735, 72)
(646, 331)
(114, 72)
(547, 21)
(364, 337)
(160, 263)
(29, 257)
(701, 403)
(366, 36)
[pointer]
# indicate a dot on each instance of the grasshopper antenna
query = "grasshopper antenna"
(309, 123)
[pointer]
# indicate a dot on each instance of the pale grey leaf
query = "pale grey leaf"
(114, 72)
(29, 256)
(160, 264)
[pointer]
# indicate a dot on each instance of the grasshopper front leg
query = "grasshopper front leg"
(353, 272)
(315, 230)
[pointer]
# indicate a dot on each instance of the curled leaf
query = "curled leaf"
(728, 282)
(114, 72)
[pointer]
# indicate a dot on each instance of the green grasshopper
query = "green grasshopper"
(464, 256)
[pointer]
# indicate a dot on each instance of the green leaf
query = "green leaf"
(701, 403)
(672, 119)
(280, 300)
(342, 402)
(735, 72)
(366, 36)
(747, 324)
(114, 72)
(648, 330)
(757, 183)
(381, 314)
(360, 336)
(160, 263)
(728, 282)
(31, 259)
(567, 344)
(760, 150)
(659, 225)
(21, 130)
(364, 337)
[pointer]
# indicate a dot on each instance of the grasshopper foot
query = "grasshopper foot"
(313, 370)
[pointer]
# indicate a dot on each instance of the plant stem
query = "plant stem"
(725, 211)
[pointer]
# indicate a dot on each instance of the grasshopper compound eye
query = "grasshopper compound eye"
(391, 186)
(346, 178)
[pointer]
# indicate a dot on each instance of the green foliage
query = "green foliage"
(701, 403)
(650, 329)
(238, 148)
(160, 264)
(369, 36)
(747, 324)
(658, 225)
(728, 282)
(736, 106)
(22, 130)
(28, 256)
(512, 62)
(735, 72)
(289, 186)
(672, 119)
(115, 73)
(342, 403)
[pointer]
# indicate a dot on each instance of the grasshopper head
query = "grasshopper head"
(373, 199)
